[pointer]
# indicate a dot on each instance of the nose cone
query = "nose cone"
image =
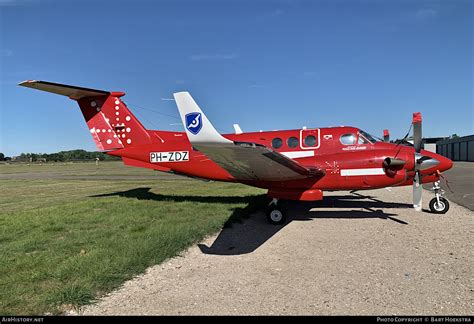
(444, 163)
(426, 162)
(430, 162)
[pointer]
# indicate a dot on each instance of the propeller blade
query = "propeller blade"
(386, 136)
(417, 191)
(417, 131)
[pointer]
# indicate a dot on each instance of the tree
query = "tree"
(2, 157)
(63, 156)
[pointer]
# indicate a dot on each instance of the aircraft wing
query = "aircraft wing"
(243, 160)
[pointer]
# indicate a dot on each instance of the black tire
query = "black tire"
(442, 208)
(276, 215)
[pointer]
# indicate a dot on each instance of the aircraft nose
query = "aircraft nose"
(444, 163)
(432, 161)
(427, 162)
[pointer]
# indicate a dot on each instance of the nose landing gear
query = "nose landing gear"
(276, 213)
(439, 204)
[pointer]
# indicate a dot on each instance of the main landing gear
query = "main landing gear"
(276, 212)
(439, 204)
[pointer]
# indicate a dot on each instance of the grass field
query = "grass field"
(72, 232)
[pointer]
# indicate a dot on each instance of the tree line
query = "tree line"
(63, 156)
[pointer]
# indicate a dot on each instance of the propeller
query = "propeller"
(419, 159)
(422, 162)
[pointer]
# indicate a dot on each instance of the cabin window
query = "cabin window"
(310, 141)
(277, 143)
(292, 142)
(348, 139)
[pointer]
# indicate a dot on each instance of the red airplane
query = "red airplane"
(294, 164)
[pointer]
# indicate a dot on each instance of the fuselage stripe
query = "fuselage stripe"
(362, 172)
(298, 154)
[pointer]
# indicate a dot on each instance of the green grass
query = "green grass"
(63, 243)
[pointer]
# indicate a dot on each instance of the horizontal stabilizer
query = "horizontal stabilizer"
(72, 92)
(110, 122)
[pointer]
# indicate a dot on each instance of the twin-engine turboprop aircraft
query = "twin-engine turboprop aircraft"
(292, 164)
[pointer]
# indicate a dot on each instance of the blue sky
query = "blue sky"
(263, 64)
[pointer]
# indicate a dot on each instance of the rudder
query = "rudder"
(111, 123)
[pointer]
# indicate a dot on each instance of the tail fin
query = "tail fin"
(110, 122)
(198, 128)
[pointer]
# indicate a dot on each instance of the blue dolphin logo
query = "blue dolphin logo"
(193, 122)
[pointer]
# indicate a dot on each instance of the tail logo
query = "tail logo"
(194, 122)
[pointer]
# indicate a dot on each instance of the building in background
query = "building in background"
(429, 143)
(457, 148)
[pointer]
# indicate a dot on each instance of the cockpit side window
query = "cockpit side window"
(362, 140)
(348, 139)
(367, 137)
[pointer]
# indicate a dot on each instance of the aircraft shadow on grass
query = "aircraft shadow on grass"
(247, 229)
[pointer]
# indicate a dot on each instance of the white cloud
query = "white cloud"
(276, 12)
(4, 3)
(213, 57)
(426, 13)
(270, 15)
(6, 52)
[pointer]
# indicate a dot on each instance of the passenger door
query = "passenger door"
(310, 139)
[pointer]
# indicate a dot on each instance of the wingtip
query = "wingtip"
(24, 83)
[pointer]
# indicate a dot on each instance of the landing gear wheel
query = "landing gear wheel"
(439, 208)
(276, 215)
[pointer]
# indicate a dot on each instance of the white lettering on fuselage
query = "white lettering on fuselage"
(175, 156)
(354, 148)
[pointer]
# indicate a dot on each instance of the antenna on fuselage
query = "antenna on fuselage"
(237, 129)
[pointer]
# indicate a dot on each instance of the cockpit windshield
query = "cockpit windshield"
(370, 138)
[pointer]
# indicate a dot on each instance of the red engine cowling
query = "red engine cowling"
(306, 195)
(391, 179)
